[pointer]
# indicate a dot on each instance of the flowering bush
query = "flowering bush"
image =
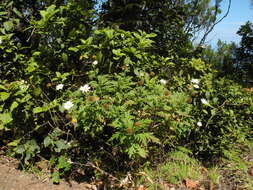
(102, 96)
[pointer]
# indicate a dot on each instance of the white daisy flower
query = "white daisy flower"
(204, 101)
(67, 105)
(199, 124)
(85, 88)
(59, 86)
(162, 81)
(95, 62)
(196, 86)
(195, 81)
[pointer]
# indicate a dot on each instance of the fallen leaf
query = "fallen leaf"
(250, 171)
(141, 187)
(190, 184)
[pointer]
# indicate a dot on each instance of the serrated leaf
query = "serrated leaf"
(142, 152)
(154, 139)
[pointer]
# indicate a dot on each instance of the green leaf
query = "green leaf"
(47, 141)
(6, 118)
(87, 41)
(205, 111)
(61, 145)
(118, 52)
(58, 74)
(64, 57)
(1, 126)
(14, 143)
(4, 96)
(8, 25)
(63, 163)
(3, 13)
(74, 49)
(17, 12)
(20, 149)
(37, 91)
(56, 177)
(154, 139)
(142, 152)
(32, 66)
(109, 33)
(14, 105)
(46, 15)
(151, 35)
(2, 87)
(40, 109)
(36, 53)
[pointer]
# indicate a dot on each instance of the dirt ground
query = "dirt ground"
(13, 179)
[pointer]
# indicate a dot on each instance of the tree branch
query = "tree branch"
(212, 27)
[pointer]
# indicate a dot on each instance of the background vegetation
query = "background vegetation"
(120, 86)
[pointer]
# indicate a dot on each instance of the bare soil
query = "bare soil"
(13, 179)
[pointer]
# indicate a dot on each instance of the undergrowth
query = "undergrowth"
(100, 101)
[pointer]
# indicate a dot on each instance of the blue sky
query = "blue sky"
(240, 12)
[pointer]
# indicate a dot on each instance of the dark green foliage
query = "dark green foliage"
(224, 58)
(175, 22)
(73, 94)
(245, 51)
(227, 119)
(165, 18)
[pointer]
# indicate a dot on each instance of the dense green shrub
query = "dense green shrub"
(226, 119)
(86, 95)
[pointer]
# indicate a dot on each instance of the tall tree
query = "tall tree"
(245, 51)
(165, 18)
(223, 58)
(175, 22)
